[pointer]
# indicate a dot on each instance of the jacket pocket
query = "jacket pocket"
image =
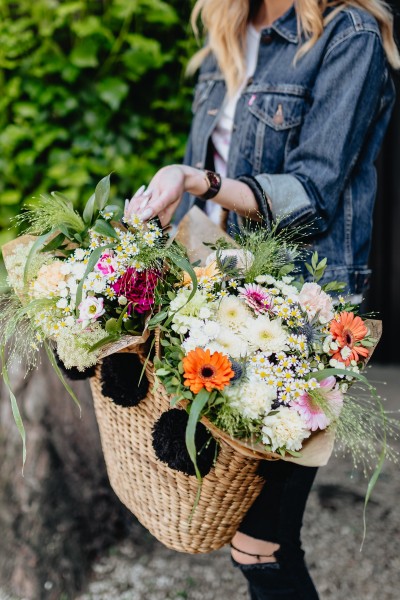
(271, 128)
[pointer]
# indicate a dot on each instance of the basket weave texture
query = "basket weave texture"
(162, 499)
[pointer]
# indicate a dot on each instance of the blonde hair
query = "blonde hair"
(225, 22)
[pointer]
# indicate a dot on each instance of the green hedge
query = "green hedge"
(86, 88)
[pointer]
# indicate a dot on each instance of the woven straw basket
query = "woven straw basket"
(161, 498)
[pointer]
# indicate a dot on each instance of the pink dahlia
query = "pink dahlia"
(256, 297)
(138, 288)
(313, 406)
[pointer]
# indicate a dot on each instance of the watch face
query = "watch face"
(215, 185)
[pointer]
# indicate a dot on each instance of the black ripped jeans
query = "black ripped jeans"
(277, 516)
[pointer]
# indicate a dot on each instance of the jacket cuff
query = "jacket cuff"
(261, 198)
(288, 198)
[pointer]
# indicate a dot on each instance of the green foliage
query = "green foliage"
(89, 87)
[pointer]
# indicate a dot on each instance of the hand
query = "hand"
(165, 192)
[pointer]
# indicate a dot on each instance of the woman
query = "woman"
(290, 108)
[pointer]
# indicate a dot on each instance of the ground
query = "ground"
(142, 569)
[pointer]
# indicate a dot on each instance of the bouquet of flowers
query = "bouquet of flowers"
(266, 359)
(82, 283)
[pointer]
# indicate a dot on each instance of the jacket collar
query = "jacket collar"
(286, 26)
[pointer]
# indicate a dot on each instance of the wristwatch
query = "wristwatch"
(214, 185)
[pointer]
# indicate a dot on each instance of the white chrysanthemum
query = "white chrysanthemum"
(286, 429)
(231, 343)
(182, 323)
(211, 329)
(233, 313)
(252, 399)
(266, 335)
(198, 305)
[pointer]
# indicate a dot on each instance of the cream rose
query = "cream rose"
(48, 279)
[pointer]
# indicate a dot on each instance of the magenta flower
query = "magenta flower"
(311, 405)
(138, 288)
(106, 264)
(256, 297)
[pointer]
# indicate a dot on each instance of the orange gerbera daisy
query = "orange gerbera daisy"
(202, 273)
(348, 331)
(205, 370)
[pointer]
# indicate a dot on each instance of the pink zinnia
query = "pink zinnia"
(310, 410)
(256, 297)
(138, 288)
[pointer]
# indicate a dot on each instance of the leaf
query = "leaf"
(102, 192)
(117, 211)
(162, 372)
(14, 406)
(104, 228)
(196, 408)
(156, 319)
(309, 269)
(89, 210)
(85, 53)
(55, 243)
(112, 91)
(36, 247)
(103, 342)
(314, 260)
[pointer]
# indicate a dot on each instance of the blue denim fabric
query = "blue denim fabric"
(308, 133)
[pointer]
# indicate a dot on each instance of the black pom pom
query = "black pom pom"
(120, 374)
(74, 374)
(170, 446)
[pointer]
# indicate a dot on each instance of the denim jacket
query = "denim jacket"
(307, 134)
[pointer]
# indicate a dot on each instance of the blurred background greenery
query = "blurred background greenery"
(88, 87)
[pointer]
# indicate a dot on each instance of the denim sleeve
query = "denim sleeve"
(346, 100)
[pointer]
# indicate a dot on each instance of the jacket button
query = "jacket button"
(199, 165)
(266, 38)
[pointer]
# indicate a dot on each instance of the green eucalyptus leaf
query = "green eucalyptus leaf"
(89, 210)
(102, 192)
(156, 319)
(105, 228)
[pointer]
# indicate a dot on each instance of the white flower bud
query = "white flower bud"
(122, 300)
